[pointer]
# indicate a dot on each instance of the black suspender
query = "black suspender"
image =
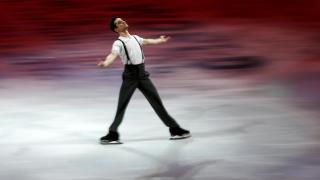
(126, 51)
(140, 49)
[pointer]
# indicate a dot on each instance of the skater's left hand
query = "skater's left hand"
(164, 38)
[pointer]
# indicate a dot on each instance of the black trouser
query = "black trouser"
(135, 76)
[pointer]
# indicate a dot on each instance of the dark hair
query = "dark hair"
(112, 24)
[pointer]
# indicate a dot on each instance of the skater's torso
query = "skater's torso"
(129, 49)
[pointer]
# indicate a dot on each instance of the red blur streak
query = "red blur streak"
(22, 21)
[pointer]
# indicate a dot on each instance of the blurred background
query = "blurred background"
(242, 75)
(265, 40)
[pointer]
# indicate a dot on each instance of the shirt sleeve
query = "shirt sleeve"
(140, 39)
(116, 47)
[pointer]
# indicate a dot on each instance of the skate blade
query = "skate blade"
(180, 137)
(110, 142)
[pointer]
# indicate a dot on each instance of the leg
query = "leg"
(126, 91)
(150, 92)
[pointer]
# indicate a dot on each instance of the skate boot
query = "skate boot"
(179, 133)
(111, 138)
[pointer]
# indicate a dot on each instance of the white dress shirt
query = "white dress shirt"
(133, 48)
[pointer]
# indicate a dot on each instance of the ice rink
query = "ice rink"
(240, 130)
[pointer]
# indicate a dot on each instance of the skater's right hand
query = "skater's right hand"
(101, 63)
(108, 60)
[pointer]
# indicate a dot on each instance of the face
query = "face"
(121, 25)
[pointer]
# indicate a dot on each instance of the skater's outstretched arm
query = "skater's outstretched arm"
(160, 40)
(108, 60)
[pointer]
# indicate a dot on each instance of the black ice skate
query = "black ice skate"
(179, 133)
(110, 138)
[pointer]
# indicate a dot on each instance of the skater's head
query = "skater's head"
(118, 25)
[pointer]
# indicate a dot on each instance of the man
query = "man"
(128, 47)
